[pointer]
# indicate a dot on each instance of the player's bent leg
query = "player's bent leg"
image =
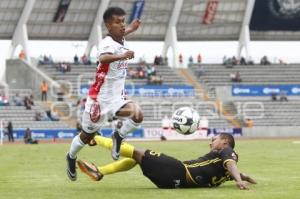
(118, 166)
(135, 117)
(90, 169)
(126, 149)
(117, 141)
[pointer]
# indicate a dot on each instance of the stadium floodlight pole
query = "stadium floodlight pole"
(244, 40)
(20, 36)
(171, 36)
(96, 31)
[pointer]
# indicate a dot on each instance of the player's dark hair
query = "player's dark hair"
(112, 11)
(229, 137)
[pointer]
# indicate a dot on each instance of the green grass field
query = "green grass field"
(38, 171)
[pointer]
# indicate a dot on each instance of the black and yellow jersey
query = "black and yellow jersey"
(209, 170)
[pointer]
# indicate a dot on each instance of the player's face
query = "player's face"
(217, 143)
(116, 26)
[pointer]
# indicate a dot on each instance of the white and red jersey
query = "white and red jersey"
(110, 78)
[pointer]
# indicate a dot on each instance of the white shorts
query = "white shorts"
(108, 110)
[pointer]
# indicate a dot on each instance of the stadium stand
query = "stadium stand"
(23, 118)
(270, 113)
(219, 75)
(261, 110)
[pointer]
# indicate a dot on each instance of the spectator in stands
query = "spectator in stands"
(44, 90)
(149, 71)
(44, 116)
(27, 103)
(199, 59)
(180, 58)
(160, 60)
(224, 61)
(191, 60)
(3, 100)
(31, 100)
(10, 132)
(273, 96)
(46, 60)
(28, 137)
(264, 61)
(65, 67)
(281, 61)
(41, 60)
(156, 60)
(52, 115)
(155, 80)
(38, 116)
(141, 74)
(236, 77)
(234, 61)
(18, 101)
(227, 62)
(76, 60)
(132, 73)
(282, 96)
(243, 61)
(249, 123)
(50, 59)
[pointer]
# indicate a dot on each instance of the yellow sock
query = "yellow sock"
(125, 151)
(118, 166)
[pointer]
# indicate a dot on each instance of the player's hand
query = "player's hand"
(133, 26)
(248, 178)
(128, 55)
(92, 143)
(242, 185)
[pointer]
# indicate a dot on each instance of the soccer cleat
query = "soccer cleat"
(117, 141)
(71, 168)
(90, 169)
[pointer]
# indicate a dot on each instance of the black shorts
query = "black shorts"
(164, 171)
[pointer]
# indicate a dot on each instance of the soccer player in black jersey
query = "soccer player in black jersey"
(210, 170)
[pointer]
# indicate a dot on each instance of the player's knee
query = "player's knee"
(86, 137)
(138, 117)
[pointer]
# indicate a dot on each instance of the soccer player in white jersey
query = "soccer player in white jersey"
(106, 95)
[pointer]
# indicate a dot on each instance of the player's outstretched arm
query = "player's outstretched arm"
(109, 58)
(234, 172)
(133, 26)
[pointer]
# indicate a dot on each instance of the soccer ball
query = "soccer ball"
(185, 120)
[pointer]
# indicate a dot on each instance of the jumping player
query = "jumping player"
(210, 170)
(106, 95)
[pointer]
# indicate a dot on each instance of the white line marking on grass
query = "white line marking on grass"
(296, 142)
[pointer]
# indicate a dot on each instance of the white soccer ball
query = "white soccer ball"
(185, 120)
